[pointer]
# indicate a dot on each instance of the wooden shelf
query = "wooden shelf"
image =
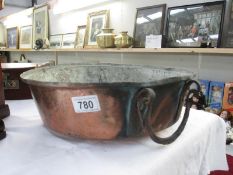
(222, 51)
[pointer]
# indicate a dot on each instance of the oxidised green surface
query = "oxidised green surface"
(104, 73)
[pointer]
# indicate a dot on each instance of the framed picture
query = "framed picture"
(2, 35)
(68, 40)
(227, 33)
(80, 36)
(198, 25)
(25, 41)
(55, 41)
(149, 21)
(40, 23)
(95, 22)
(12, 37)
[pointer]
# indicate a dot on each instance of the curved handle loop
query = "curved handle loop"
(145, 98)
(144, 108)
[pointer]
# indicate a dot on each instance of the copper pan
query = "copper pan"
(106, 101)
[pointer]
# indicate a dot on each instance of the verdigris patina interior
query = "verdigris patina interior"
(105, 73)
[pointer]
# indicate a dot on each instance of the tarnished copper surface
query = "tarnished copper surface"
(163, 111)
(120, 114)
(58, 114)
(167, 100)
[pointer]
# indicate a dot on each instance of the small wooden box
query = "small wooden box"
(14, 87)
(4, 109)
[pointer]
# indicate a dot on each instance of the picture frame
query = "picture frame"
(40, 23)
(12, 38)
(2, 35)
(148, 21)
(95, 22)
(197, 25)
(227, 32)
(55, 41)
(80, 36)
(25, 41)
(68, 40)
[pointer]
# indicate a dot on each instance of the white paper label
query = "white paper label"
(84, 104)
(153, 41)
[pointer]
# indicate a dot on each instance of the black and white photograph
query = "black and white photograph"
(25, 41)
(80, 36)
(12, 37)
(55, 41)
(96, 21)
(68, 40)
(40, 23)
(96, 26)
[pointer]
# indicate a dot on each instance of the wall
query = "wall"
(122, 14)
(9, 10)
(122, 17)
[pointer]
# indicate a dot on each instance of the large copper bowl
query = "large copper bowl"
(106, 101)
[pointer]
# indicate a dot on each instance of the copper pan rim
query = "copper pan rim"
(154, 81)
(125, 84)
